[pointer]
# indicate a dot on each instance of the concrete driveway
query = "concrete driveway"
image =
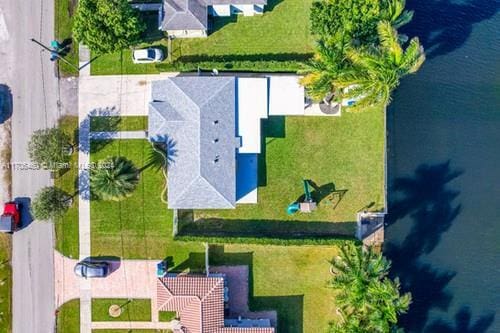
(129, 279)
(126, 95)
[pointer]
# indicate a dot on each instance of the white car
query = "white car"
(146, 56)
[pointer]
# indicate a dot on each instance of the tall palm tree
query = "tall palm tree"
(326, 65)
(115, 179)
(368, 300)
(377, 71)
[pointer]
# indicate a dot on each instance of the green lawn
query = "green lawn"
(6, 285)
(141, 225)
(167, 315)
(118, 123)
(291, 280)
(134, 310)
(343, 155)
(66, 226)
(282, 32)
(63, 21)
(68, 317)
(274, 41)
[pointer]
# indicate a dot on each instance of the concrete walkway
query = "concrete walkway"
(84, 193)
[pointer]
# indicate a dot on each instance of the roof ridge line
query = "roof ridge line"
(216, 191)
(217, 92)
(213, 287)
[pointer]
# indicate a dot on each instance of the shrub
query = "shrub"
(50, 202)
(50, 148)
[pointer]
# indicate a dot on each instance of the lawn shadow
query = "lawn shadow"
(152, 33)
(463, 323)
(445, 25)
(266, 228)
(273, 127)
(327, 191)
(6, 101)
(427, 199)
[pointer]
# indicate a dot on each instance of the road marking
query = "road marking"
(4, 33)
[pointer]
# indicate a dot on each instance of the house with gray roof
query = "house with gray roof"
(197, 117)
(190, 18)
(210, 130)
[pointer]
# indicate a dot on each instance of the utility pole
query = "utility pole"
(54, 53)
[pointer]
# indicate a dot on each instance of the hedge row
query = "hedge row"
(335, 240)
(234, 66)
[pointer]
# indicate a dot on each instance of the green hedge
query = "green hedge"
(308, 240)
(270, 66)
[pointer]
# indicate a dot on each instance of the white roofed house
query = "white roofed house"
(190, 18)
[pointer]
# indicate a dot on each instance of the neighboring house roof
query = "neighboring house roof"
(197, 115)
(199, 303)
(193, 14)
(185, 15)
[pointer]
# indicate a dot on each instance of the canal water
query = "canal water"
(443, 231)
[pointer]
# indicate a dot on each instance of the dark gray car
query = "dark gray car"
(92, 269)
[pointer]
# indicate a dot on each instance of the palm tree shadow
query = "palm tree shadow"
(445, 25)
(429, 202)
(463, 323)
(163, 154)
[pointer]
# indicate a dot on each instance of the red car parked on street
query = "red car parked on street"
(10, 220)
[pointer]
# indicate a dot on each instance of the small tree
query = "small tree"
(107, 26)
(50, 148)
(50, 202)
(114, 179)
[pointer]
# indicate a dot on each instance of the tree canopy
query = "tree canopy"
(114, 179)
(107, 26)
(359, 53)
(50, 202)
(356, 20)
(50, 148)
(368, 300)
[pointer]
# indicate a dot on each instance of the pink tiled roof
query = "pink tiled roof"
(199, 302)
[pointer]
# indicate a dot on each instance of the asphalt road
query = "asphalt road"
(27, 70)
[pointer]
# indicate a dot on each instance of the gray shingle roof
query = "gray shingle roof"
(198, 114)
(193, 14)
(185, 15)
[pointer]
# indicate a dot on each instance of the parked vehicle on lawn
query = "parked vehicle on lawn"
(146, 56)
(10, 220)
(92, 269)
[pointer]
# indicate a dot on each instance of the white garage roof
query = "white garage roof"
(252, 107)
(286, 96)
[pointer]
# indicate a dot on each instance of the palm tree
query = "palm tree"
(376, 71)
(115, 179)
(368, 300)
(321, 71)
(396, 14)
